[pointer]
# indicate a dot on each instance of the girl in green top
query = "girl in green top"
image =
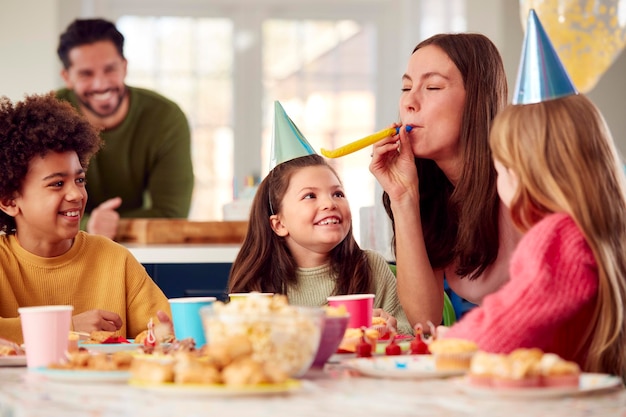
(300, 243)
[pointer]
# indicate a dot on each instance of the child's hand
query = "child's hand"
(441, 331)
(96, 320)
(165, 320)
(392, 323)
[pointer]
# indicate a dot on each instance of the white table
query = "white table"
(335, 392)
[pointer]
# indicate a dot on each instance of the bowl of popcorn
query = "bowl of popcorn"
(283, 337)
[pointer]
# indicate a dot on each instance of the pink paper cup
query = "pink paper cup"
(45, 330)
(360, 307)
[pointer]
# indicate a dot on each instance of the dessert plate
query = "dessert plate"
(589, 383)
(83, 376)
(109, 347)
(380, 347)
(402, 367)
(114, 347)
(192, 390)
(14, 360)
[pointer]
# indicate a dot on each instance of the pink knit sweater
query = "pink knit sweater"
(548, 300)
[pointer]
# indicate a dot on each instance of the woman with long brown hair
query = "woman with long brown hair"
(439, 180)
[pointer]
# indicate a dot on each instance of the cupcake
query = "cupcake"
(380, 325)
(521, 370)
(452, 354)
(557, 372)
(484, 366)
(352, 337)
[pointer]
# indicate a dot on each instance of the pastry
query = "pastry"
(520, 371)
(152, 368)
(557, 372)
(452, 354)
(7, 351)
(190, 368)
(352, 337)
(244, 371)
(484, 366)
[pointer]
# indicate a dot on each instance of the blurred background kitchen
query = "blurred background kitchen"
(335, 65)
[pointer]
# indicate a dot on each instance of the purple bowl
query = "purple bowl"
(332, 333)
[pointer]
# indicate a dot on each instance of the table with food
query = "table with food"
(264, 357)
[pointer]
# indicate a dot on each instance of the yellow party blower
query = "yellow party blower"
(362, 143)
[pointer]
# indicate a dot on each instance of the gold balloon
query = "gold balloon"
(588, 35)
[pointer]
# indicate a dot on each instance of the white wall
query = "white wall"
(28, 41)
(609, 94)
(29, 31)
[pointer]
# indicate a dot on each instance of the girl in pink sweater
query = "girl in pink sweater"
(561, 177)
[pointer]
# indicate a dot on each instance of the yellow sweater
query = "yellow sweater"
(96, 273)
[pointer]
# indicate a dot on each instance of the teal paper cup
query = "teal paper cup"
(186, 317)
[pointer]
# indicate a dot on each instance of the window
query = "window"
(190, 60)
(322, 72)
(335, 67)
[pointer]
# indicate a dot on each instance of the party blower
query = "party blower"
(362, 143)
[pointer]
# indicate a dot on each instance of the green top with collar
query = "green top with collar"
(146, 160)
(317, 283)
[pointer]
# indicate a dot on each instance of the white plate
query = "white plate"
(114, 347)
(18, 360)
(77, 375)
(109, 347)
(192, 390)
(589, 382)
(402, 366)
(405, 346)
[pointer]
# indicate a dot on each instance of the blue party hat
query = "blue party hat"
(541, 75)
(288, 142)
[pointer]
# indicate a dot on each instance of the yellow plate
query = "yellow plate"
(220, 390)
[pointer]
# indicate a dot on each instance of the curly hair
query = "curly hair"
(35, 127)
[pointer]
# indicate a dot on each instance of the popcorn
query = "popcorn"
(284, 337)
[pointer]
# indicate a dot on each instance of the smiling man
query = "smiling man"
(144, 169)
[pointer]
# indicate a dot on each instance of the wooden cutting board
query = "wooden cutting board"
(180, 231)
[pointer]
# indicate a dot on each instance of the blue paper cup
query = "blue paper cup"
(186, 317)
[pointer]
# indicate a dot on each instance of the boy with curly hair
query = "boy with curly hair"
(44, 257)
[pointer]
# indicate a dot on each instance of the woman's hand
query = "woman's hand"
(393, 164)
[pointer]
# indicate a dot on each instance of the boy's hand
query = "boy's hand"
(96, 320)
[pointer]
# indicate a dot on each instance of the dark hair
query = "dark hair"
(264, 262)
(35, 127)
(460, 223)
(86, 31)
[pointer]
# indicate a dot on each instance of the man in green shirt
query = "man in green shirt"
(144, 169)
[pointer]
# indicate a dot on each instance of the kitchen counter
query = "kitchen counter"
(187, 270)
(152, 253)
